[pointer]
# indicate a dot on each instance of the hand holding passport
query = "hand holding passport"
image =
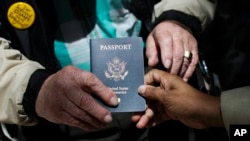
(119, 64)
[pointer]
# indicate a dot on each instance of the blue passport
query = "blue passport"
(119, 64)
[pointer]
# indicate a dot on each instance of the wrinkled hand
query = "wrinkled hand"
(175, 99)
(169, 40)
(66, 98)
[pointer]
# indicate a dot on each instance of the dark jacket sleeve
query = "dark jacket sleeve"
(35, 82)
(189, 21)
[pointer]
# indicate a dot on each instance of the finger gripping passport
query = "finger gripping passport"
(119, 64)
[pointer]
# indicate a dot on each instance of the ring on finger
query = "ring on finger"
(188, 55)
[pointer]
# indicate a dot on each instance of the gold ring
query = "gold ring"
(188, 55)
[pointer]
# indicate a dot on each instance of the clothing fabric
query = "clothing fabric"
(203, 10)
(15, 66)
(105, 18)
(235, 106)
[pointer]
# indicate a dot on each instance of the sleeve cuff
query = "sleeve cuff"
(190, 21)
(30, 96)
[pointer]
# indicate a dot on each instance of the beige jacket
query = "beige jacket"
(15, 69)
(202, 9)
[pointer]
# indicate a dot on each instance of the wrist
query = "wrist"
(213, 117)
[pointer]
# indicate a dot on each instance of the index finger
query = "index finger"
(153, 76)
(164, 79)
(164, 41)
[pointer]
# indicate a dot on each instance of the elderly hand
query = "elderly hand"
(170, 41)
(66, 98)
(175, 99)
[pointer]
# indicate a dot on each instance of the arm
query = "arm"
(15, 72)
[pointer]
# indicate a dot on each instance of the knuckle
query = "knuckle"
(69, 71)
(83, 116)
(185, 63)
(92, 82)
(85, 101)
(72, 121)
(90, 78)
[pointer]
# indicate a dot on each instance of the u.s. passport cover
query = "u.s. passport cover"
(118, 63)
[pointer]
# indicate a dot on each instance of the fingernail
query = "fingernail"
(150, 60)
(141, 89)
(185, 79)
(167, 63)
(114, 101)
(107, 119)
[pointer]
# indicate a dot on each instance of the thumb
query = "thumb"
(151, 92)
